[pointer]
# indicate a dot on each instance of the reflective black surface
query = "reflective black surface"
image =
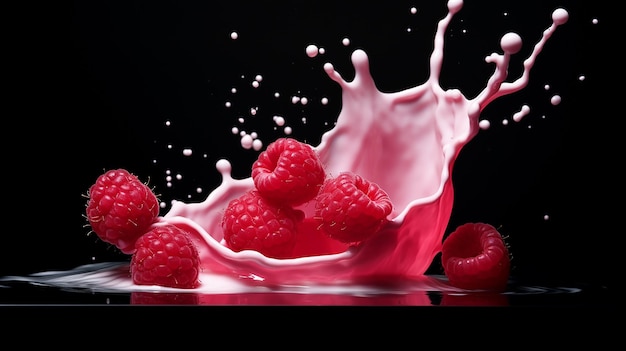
(109, 284)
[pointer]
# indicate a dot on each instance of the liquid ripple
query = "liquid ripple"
(114, 278)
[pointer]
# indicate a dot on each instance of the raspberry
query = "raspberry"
(165, 256)
(474, 256)
(250, 222)
(351, 209)
(121, 208)
(288, 172)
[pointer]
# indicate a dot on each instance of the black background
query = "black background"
(97, 97)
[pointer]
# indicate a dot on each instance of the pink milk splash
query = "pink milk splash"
(406, 142)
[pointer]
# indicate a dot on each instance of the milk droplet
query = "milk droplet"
(312, 50)
(287, 130)
(246, 141)
(255, 84)
(511, 43)
(234, 35)
(280, 121)
(560, 16)
(324, 101)
(523, 112)
(345, 41)
(413, 10)
(257, 144)
(484, 124)
(555, 100)
(187, 152)
(223, 166)
(304, 101)
(228, 104)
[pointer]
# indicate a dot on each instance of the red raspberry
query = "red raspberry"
(474, 256)
(166, 256)
(351, 209)
(288, 172)
(250, 222)
(121, 208)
